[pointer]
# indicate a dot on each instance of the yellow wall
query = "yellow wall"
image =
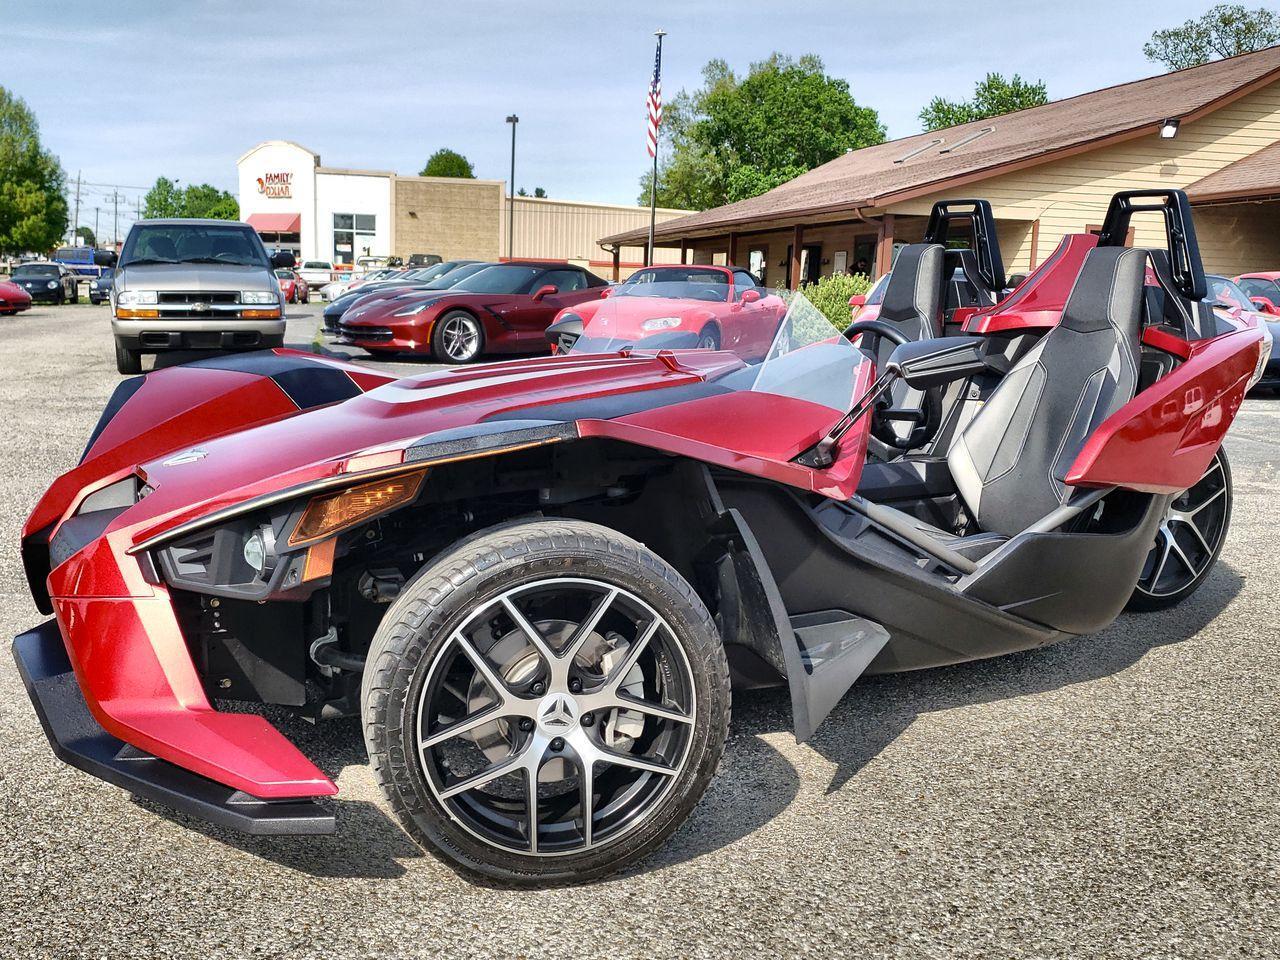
(1067, 195)
(456, 219)
(1239, 237)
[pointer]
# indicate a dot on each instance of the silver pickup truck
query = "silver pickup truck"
(194, 285)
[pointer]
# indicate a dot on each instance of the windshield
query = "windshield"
(194, 243)
(1223, 291)
(677, 282)
(501, 278)
(782, 343)
(284, 274)
(36, 270)
(457, 277)
(317, 265)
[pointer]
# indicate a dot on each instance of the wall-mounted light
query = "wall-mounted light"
(413, 214)
(1169, 128)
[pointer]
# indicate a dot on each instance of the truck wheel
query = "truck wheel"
(127, 361)
(1188, 542)
(546, 702)
(457, 337)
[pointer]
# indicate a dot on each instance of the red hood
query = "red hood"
(316, 444)
(11, 291)
(622, 316)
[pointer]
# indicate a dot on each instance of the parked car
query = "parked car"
(293, 287)
(336, 287)
(423, 259)
(194, 285)
(13, 299)
(100, 288)
(426, 278)
(316, 272)
(503, 308)
(51, 282)
(703, 306)
(1235, 298)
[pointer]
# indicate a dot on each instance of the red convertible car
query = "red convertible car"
(293, 287)
(505, 308)
(13, 299)
(537, 581)
(704, 306)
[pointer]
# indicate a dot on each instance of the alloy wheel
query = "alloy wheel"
(1189, 536)
(556, 717)
(461, 337)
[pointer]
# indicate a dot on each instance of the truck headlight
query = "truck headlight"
(129, 298)
(259, 296)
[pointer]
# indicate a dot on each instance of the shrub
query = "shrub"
(831, 295)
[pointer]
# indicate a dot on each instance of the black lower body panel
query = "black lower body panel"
(78, 740)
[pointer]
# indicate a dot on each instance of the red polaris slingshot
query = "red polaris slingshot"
(537, 581)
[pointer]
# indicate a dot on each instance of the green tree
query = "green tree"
(1226, 30)
(992, 96)
(540, 193)
(448, 163)
(201, 200)
(33, 207)
(89, 239)
(735, 138)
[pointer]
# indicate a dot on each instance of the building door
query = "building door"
(864, 255)
(810, 262)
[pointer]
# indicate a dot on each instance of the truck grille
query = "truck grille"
(198, 296)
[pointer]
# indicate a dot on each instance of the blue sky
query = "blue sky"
(128, 91)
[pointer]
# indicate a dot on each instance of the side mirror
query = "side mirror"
(1263, 304)
(858, 300)
(283, 258)
(750, 296)
(564, 333)
(606, 293)
(545, 291)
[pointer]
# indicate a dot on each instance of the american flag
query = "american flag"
(655, 101)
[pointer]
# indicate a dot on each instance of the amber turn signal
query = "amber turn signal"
(335, 512)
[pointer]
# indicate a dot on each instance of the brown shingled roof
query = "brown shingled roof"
(1255, 175)
(870, 177)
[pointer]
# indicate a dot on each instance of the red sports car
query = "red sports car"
(703, 306)
(535, 582)
(505, 308)
(293, 287)
(13, 299)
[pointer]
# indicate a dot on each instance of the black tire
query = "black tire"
(128, 361)
(1145, 598)
(447, 348)
(417, 633)
(709, 338)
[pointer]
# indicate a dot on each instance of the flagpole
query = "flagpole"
(653, 183)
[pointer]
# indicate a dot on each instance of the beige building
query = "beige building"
(342, 215)
(1212, 130)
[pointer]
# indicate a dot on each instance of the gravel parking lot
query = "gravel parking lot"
(1113, 796)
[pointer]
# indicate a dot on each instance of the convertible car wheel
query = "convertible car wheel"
(1188, 541)
(457, 338)
(546, 702)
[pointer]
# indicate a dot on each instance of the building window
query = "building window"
(353, 236)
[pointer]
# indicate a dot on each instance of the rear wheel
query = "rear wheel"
(709, 338)
(1189, 540)
(545, 703)
(457, 338)
(127, 361)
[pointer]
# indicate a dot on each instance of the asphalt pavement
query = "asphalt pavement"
(1112, 796)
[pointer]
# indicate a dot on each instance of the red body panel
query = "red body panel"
(1162, 440)
(13, 299)
(1039, 300)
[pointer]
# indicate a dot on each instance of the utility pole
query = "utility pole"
(511, 189)
(115, 233)
(95, 226)
(75, 220)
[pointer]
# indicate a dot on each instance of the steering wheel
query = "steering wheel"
(927, 420)
(711, 296)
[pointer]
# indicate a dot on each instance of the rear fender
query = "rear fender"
(1163, 439)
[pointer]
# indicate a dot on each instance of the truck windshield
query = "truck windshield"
(232, 244)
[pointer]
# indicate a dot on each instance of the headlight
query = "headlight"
(1264, 354)
(259, 296)
(412, 311)
(260, 550)
(52, 284)
(129, 298)
(660, 323)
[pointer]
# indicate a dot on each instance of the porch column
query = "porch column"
(1035, 242)
(797, 240)
(617, 263)
(884, 246)
(733, 244)
(684, 249)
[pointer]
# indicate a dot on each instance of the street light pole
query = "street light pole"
(511, 189)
